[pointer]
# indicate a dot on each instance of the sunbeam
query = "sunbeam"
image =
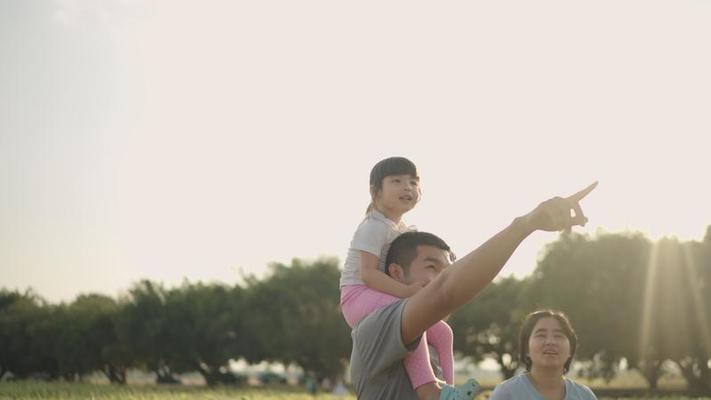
(699, 307)
(649, 289)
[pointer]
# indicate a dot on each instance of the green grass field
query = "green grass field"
(77, 391)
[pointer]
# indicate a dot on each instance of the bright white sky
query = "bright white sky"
(169, 140)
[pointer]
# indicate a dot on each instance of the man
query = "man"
(382, 339)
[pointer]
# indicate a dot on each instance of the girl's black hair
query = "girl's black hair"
(388, 167)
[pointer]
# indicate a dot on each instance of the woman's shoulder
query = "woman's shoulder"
(515, 384)
(580, 391)
(514, 380)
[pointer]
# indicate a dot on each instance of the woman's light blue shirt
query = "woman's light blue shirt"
(520, 387)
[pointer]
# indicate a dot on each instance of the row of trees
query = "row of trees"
(290, 317)
(633, 302)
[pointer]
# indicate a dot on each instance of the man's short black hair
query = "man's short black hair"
(403, 249)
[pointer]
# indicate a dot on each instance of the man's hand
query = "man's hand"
(555, 214)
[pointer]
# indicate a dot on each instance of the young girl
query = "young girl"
(394, 190)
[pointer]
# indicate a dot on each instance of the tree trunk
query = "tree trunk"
(115, 375)
(165, 375)
(697, 384)
(206, 374)
(70, 377)
(120, 377)
(705, 372)
(652, 371)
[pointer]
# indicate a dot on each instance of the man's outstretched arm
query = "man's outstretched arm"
(464, 279)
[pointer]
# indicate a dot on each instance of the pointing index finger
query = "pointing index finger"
(581, 194)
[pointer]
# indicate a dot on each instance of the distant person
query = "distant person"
(365, 287)
(547, 344)
(339, 389)
(384, 338)
(311, 385)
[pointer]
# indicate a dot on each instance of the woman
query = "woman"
(547, 344)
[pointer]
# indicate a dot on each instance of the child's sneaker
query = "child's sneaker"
(467, 391)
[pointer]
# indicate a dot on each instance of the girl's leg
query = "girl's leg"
(441, 338)
(357, 301)
(417, 364)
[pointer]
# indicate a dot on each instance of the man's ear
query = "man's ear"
(396, 272)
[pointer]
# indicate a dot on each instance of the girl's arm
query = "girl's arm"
(376, 279)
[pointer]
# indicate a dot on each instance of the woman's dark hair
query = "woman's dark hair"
(527, 330)
(387, 167)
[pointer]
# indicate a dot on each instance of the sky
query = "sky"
(172, 140)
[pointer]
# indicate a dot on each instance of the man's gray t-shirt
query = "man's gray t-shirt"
(377, 370)
(520, 388)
